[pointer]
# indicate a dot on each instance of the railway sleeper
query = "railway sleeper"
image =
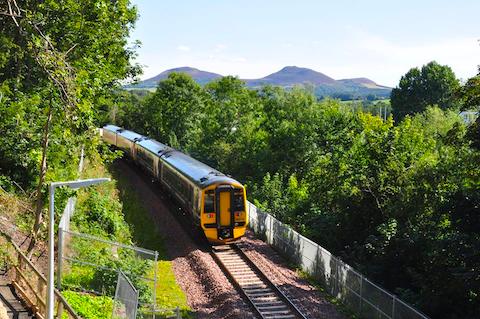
(231, 257)
(279, 307)
(254, 287)
(236, 264)
(242, 283)
(245, 276)
(263, 297)
(243, 272)
(269, 303)
(281, 316)
(252, 291)
(286, 311)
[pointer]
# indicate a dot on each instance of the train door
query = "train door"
(224, 195)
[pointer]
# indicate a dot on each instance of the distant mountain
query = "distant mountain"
(363, 82)
(201, 77)
(292, 75)
(287, 77)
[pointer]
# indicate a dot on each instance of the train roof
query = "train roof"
(153, 146)
(130, 135)
(112, 128)
(198, 172)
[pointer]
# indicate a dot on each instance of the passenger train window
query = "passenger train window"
(209, 205)
(238, 202)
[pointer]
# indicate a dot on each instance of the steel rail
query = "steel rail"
(266, 299)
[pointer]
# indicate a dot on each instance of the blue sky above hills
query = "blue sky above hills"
(380, 40)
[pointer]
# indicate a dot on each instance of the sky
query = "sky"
(380, 40)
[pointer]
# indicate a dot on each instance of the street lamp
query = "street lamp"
(51, 220)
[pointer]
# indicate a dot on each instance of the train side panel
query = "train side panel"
(145, 159)
(181, 188)
(109, 136)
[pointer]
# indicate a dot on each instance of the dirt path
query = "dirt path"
(208, 291)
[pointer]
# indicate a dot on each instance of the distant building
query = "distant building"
(469, 116)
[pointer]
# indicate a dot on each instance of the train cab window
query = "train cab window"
(238, 202)
(209, 204)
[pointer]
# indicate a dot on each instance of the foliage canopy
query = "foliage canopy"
(433, 84)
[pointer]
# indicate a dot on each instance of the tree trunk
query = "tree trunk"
(41, 182)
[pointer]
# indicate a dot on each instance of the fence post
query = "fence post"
(270, 232)
(361, 294)
(155, 284)
(60, 258)
(177, 311)
(17, 275)
(59, 309)
(393, 306)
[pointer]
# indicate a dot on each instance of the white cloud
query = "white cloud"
(183, 48)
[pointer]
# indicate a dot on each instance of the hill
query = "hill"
(288, 77)
(292, 75)
(202, 77)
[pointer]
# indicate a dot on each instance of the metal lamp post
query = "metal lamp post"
(51, 240)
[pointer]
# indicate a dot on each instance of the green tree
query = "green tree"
(433, 84)
(232, 137)
(56, 58)
(173, 111)
(470, 92)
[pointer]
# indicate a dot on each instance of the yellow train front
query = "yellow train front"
(216, 202)
(223, 214)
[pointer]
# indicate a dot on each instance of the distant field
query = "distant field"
(387, 101)
(140, 89)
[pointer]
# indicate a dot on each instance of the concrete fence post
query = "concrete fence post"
(60, 258)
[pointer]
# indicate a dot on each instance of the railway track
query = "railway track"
(264, 297)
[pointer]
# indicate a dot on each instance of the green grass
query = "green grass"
(89, 306)
(78, 277)
(169, 294)
(145, 234)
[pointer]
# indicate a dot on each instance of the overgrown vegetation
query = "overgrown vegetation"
(90, 306)
(106, 212)
(397, 200)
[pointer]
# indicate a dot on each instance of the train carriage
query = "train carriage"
(109, 134)
(126, 140)
(216, 202)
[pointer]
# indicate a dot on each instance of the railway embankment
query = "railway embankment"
(209, 293)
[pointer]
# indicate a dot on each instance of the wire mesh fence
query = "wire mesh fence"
(342, 281)
(91, 264)
(126, 299)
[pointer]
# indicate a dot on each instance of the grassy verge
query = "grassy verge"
(89, 306)
(145, 234)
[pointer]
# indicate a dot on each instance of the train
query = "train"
(216, 202)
